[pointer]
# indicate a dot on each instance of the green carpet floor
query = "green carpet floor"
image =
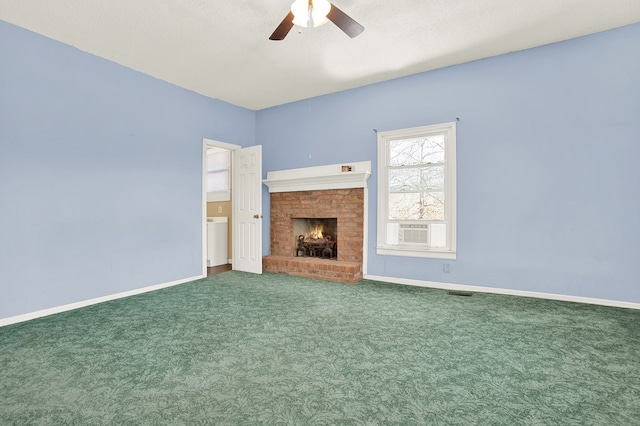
(241, 349)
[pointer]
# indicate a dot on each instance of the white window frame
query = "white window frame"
(413, 250)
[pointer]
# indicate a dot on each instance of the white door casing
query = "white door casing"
(247, 209)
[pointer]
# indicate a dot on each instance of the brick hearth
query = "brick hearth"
(313, 267)
(347, 205)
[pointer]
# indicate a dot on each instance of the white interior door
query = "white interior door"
(247, 209)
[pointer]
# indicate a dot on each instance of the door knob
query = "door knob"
(257, 216)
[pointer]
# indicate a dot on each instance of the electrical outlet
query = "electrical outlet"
(219, 209)
(446, 268)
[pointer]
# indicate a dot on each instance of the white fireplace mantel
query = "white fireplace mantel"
(334, 176)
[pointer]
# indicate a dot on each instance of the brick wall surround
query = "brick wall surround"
(347, 205)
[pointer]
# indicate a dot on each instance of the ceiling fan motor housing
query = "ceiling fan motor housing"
(310, 13)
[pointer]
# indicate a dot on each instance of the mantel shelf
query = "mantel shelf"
(320, 178)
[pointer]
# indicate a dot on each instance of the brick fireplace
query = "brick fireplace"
(320, 192)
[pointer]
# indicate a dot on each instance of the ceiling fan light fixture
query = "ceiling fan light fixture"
(310, 13)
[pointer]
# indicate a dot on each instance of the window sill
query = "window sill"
(217, 196)
(409, 252)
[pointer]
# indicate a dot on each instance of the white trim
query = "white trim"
(505, 291)
(84, 303)
(217, 144)
(402, 251)
(319, 178)
(203, 212)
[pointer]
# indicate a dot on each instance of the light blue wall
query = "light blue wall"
(100, 168)
(548, 173)
(100, 174)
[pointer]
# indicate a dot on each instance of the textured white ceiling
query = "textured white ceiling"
(220, 48)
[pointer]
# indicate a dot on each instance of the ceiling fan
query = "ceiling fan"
(310, 13)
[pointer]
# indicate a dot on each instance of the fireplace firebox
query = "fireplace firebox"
(315, 237)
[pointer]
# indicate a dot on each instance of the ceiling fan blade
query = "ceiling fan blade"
(344, 22)
(283, 29)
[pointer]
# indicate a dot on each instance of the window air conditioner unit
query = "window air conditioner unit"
(413, 234)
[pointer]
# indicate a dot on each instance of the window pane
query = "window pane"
(218, 165)
(422, 150)
(416, 178)
(218, 160)
(416, 206)
(218, 181)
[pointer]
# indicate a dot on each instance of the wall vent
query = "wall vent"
(460, 293)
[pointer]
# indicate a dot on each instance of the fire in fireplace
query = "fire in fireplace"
(316, 237)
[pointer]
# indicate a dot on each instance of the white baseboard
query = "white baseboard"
(403, 281)
(71, 306)
(506, 291)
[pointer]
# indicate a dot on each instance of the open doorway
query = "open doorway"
(245, 214)
(217, 206)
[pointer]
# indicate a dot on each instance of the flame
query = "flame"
(315, 234)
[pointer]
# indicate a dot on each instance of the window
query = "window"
(218, 174)
(417, 192)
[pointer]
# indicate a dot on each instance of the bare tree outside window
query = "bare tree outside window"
(416, 178)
